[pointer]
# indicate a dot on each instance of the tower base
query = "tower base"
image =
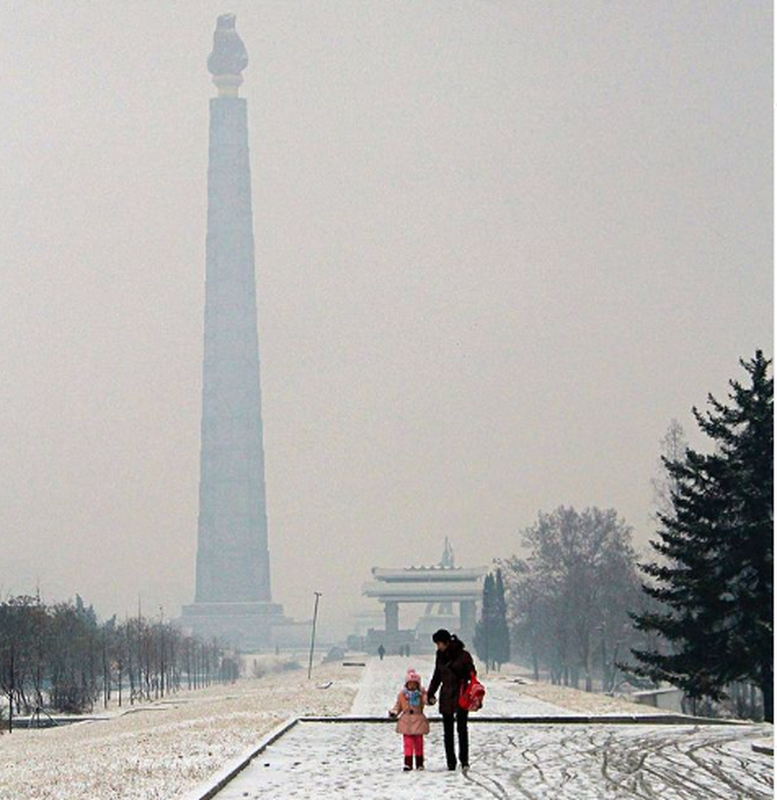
(247, 626)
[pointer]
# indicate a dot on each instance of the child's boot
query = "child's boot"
(408, 764)
(419, 762)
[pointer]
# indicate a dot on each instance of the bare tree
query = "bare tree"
(568, 600)
(64, 656)
(673, 445)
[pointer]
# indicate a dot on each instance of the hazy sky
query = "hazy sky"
(500, 244)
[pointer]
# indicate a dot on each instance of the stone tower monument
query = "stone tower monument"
(233, 597)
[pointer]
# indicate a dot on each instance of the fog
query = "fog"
(500, 245)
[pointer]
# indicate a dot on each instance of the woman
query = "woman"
(453, 668)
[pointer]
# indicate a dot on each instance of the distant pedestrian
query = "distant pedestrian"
(381, 651)
(452, 670)
(411, 723)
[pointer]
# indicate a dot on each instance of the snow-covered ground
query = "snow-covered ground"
(382, 681)
(165, 750)
(504, 695)
(318, 761)
(549, 762)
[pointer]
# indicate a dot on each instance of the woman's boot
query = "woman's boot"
(408, 764)
(419, 762)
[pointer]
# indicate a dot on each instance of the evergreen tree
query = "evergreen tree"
(715, 576)
(501, 632)
(492, 635)
(483, 640)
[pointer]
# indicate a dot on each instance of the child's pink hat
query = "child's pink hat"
(412, 675)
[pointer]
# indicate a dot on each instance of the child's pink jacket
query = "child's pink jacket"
(412, 721)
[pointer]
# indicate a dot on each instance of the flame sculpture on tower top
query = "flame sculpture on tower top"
(229, 57)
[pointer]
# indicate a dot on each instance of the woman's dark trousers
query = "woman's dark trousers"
(461, 730)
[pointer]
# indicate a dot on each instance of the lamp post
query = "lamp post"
(313, 634)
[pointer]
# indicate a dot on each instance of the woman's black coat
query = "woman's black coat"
(452, 668)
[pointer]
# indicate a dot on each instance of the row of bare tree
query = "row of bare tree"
(60, 657)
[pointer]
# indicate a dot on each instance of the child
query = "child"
(412, 723)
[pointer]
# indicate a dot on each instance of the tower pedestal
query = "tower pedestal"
(247, 626)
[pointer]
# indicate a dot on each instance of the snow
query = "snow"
(181, 747)
(382, 681)
(318, 760)
(166, 750)
(558, 762)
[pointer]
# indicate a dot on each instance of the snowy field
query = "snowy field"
(169, 748)
(548, 762)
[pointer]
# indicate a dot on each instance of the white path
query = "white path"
(572, 762)
(382, 681)
(362, 761)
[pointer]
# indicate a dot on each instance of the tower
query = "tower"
(233, 597)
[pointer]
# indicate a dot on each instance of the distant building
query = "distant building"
(440, 588)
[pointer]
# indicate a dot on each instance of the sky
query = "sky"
(500, 244)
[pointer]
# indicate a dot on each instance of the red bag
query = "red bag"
(471, 694)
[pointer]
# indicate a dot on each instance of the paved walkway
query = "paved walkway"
(530, 762)
(382, 681)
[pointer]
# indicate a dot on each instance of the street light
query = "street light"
(313, 633)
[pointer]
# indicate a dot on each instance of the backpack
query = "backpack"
(471, 694)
